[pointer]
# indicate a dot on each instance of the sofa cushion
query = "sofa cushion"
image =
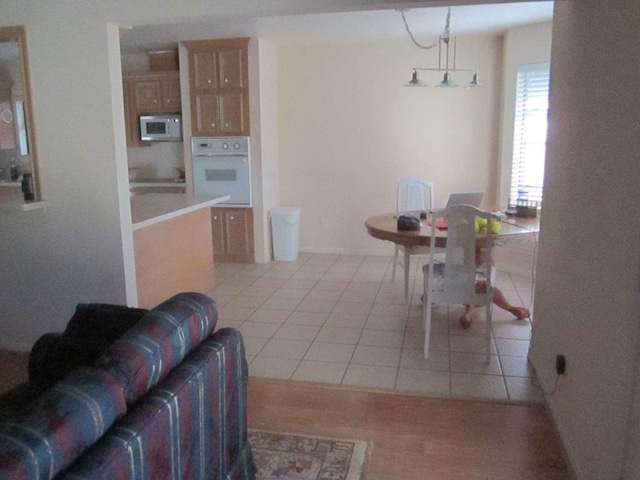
(92, 328)
(47, 436)
(158, 342)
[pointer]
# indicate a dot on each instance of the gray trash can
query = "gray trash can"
(285, 230)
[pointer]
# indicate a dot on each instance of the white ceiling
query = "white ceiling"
(425, 23)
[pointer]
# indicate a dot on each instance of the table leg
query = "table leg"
(407, 261)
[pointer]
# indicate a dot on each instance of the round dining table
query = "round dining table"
(385, 227)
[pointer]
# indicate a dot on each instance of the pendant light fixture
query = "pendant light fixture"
(446, 65)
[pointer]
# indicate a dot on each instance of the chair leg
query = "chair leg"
(488, 332)
(427, 323)
(395, 261)
(407, 261)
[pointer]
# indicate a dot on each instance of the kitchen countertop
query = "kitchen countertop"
(156, 182)
(6, 183)
(153, 208)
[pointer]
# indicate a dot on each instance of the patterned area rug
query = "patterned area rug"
(283, 456)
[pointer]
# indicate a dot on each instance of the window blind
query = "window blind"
(530, 131)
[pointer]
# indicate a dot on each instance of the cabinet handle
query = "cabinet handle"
(209, 81)
(215, 218)
(213, 125)
(226, 124)
(226, 80)
(231, 217)
(168, 100)
(155, 101)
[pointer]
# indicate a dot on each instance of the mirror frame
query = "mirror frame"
(18, 34)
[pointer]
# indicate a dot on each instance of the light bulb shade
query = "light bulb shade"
(447, 82)
(415, 81)
(475, 82)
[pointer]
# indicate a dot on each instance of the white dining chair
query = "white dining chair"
(413, 195)
(466, 275)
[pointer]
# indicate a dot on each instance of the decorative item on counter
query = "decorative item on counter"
(180, 173)
(27, 187)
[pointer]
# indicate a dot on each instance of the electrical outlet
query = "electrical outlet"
(561, 364)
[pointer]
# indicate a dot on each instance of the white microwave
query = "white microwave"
(161, 128)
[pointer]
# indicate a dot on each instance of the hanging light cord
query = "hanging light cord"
(443, 37)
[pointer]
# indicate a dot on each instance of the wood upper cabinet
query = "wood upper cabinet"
(158, 93)
(219, 85)
(131, 123)
(232, 230)
(149, 93)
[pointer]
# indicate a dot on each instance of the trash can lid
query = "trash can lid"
(284, 211)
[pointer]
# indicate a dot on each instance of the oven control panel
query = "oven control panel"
(219, 146)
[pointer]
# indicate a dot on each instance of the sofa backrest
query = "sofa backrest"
(192, 425)
(48, 435)
(158, 342)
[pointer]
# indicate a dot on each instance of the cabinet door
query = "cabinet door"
(204, 70)
(131, 122)
(205, 117)
(217, 229)
(171, 95)
(230, 68)
(239, 234)
(148, 96)
(231, 113)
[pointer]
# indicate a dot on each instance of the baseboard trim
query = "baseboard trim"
(348, 251)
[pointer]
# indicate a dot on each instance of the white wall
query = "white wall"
(587, 288)
(349, 131)
(73, 251)
(264, 140)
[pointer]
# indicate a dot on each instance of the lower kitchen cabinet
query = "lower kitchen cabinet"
(232, 234)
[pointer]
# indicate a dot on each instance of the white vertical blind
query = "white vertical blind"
(530, 131)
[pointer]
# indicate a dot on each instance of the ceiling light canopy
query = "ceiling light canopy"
(445, 65)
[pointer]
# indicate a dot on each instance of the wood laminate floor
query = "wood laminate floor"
(417, 437)
(413, 436)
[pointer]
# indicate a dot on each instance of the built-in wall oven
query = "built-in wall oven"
(221, 165)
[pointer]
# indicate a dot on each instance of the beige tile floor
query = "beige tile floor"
(341, 319)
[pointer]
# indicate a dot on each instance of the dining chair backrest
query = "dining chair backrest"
(461, 267)
(414, 194)
(465, 277)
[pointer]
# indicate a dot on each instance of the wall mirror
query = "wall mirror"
(17, 135)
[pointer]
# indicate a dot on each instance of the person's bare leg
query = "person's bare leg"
(501, 301)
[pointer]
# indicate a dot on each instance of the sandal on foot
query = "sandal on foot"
(465, 320)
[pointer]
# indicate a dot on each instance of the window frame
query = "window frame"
(531, 109)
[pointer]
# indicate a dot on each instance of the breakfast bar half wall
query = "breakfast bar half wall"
(172, 242)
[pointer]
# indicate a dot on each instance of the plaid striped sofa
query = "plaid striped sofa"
(132, 394)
